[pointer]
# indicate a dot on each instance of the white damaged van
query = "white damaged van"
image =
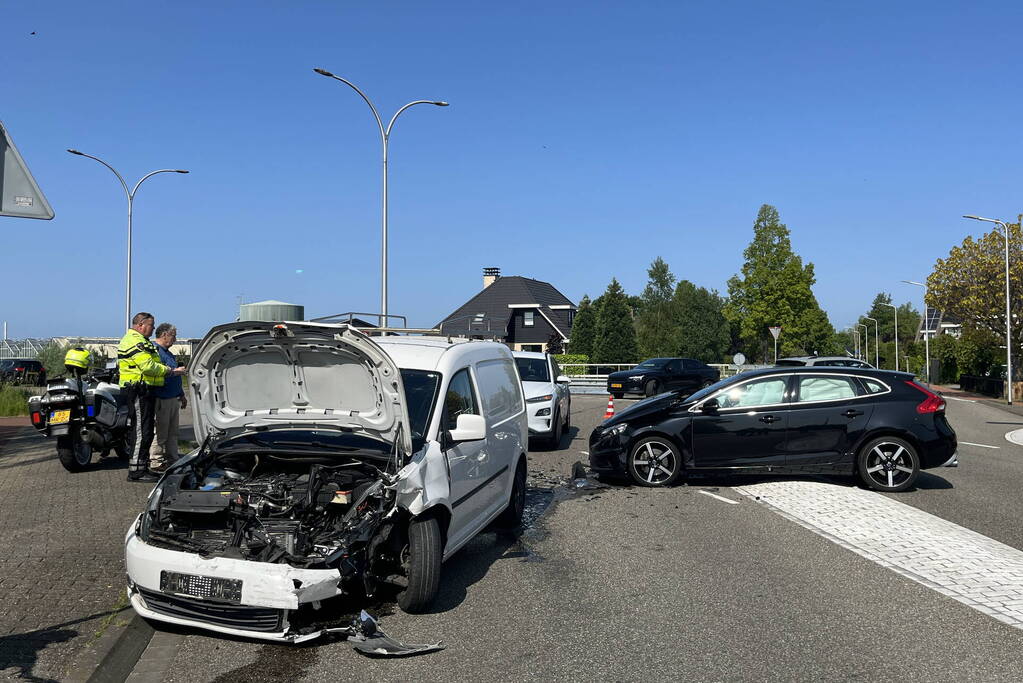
(331, 463)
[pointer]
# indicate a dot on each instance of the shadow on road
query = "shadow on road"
(20, 651)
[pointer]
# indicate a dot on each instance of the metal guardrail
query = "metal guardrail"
(596, 382)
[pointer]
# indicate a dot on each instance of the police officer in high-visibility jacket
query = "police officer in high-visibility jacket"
(140, 368)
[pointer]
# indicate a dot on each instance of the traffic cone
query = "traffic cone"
(610, 407)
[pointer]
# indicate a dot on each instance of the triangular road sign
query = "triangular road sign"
(19, 195)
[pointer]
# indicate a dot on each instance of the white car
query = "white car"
(548, 401)
(331, 464)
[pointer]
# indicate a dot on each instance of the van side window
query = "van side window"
(460, 399)
(500, 389)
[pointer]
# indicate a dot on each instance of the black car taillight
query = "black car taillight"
(37, 418)
(932, 404)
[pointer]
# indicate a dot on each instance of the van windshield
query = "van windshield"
(420, 394)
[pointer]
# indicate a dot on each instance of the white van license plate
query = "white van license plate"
(203, 587)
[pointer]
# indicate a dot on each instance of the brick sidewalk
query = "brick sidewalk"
(61, 552)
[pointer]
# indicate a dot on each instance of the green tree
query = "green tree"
(655, 321)
(775, 288)
(584, 327)
(701, 330)
(944, 348)
(970, 284)
(615, 340)
(909, 323)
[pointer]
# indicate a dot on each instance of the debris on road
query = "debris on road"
(366, 637)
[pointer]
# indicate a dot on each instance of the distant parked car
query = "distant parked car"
(22, 371)
(657, 375)
(878, 424)
(829, 361)
(548, 402)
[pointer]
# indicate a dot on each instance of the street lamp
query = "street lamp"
(385, 136)
(866, 342)
(927, 332)
(896, 334)
(1008, 315)
(856, 341)
(877, 345)
(131, 198)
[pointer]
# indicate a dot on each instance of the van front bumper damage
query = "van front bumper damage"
(269, 592)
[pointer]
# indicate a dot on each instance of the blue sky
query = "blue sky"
(583, 140)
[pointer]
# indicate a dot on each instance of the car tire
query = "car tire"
(554, 440)
(74, 454)
(652, 388)
(511, 518)
(888, 464)
(617, 394)
(654, 461)
(421, 560)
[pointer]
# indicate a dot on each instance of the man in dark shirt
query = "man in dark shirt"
(170, 401)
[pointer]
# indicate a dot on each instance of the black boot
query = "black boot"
(144, 475)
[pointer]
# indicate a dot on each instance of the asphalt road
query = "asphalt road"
(625, 583)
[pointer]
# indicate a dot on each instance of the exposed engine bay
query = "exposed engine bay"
(296, 507)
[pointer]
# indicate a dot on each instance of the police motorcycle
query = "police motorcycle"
(86, 413)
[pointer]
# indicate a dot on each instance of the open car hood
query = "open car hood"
(250, 375)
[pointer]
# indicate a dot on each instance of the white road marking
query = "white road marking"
(965, 400)
(968, 443)
(585, 452)
(1015, 436)
(957, 562)
(721, 498)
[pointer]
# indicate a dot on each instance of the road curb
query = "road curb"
(111, 658)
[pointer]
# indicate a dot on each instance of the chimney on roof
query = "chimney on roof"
(490, 276)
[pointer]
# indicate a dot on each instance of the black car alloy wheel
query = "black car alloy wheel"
(654, 461)
(888, 464)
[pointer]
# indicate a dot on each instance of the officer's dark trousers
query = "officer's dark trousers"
(140, 426)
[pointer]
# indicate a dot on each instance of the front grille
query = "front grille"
(262, 619)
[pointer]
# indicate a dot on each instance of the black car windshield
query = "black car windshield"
(654, 363)
(707, 391)
(533, 369)
(6, 364)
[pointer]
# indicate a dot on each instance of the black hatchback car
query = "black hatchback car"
(22, 371)
(880, 425)
(657, 375)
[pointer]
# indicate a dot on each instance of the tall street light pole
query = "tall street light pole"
(896, 335)
(866, 341)
(877, 344)
(385, 136)
(131, 198)
(1008, 314)
(924, 327)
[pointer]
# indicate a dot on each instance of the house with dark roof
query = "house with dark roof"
(520, 311)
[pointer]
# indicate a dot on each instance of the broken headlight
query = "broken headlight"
(615, 430)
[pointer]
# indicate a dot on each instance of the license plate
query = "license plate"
(616, 386)
(203, 587)
(59, 417)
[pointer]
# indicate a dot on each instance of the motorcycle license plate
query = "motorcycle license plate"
(204, 587)
(59, 417)
(616, 386)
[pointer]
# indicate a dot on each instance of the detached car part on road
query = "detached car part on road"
(880, 425)
(332, 464)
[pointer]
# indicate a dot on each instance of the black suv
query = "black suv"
(657, 375)
(22, 371)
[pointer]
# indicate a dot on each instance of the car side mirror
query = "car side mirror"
(711, 405)
(563, 379)
(467, 428)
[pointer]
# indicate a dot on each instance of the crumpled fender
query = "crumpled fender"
(423, 482)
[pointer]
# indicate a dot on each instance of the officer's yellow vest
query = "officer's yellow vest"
(139, 361)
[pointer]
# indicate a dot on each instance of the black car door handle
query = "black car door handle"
(852, 413)
(769, 419)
